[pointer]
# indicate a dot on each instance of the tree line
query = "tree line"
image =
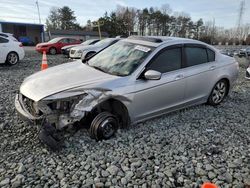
(153, 21)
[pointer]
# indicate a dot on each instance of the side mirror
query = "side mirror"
(152, 75)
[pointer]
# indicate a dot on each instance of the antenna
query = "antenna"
(241, 12)
(38, 11)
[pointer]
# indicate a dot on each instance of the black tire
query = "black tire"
(103, 126)
(88, 55)
(218, 93)
(52, 51)
(12, 58)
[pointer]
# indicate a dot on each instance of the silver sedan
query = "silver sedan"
(129, 82)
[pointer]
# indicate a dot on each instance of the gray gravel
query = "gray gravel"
(181, 149)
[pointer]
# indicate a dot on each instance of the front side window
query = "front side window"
(166, 61)
(64, 41)
(195, 56)
(120, 59)
(55, 40)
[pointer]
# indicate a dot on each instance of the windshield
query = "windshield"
(120, 59)
(55, 40)
(103, 42)
(87, 42)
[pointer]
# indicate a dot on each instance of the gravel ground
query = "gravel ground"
(181, 149)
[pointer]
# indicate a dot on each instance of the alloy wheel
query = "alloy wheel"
(219, 92)
(12, 58)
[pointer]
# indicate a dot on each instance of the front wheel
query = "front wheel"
(103, 126)
(52, 51)
(12, 58)
(218, 93)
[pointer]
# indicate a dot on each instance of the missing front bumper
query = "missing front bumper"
(24, 114)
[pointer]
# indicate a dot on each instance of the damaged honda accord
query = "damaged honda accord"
(136, 79)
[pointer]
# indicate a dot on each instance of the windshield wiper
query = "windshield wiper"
(98, 68)
(118, 74)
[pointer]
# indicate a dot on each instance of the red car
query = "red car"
(54, 46)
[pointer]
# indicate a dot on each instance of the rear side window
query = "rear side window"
(72, 40)
(3, 40)
(65, 41)
(168, 60)
(196, 56)
(211, 55)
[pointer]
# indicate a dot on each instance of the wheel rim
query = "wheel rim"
(12, 58)
(53, 51)
(219, 92)
(108, 128)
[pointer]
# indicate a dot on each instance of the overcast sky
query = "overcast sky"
(225, 12)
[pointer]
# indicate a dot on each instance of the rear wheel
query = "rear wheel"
(52, 51)
(103, 126)
(218, 93)
(12, 58)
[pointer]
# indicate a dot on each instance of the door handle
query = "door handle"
(179, 77)
(212, 67)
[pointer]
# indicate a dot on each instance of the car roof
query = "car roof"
(156, 41)
(5, 34)
(159, 40)
(65, 38)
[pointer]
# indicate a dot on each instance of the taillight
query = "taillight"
(21, 45)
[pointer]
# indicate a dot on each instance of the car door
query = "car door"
(154, 97)
(4, 49)
(200, 72)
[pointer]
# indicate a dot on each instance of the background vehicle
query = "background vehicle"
(131, 81)
(244, 52)
(26, 41)
(87, 51)
(228, 52)
(66, 49)
(11, 51)
(54, 46)
(248, 73)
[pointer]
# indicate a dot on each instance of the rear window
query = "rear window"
(211, 55)
(196, 56)
(3, 40)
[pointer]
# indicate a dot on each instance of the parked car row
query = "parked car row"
(233, 52)
(73, 48)
(55, 45)
(66, 49)
(244, 52)
(82, 52)
(11, 51)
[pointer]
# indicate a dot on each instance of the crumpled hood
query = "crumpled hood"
(60, 78)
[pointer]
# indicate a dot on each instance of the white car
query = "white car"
(11, 51)
(87, 51)
(248, 73)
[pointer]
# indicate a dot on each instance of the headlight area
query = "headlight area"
(61, 110)
(78, 53)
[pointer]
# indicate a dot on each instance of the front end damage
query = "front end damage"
(62, 109)
(59, 110)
